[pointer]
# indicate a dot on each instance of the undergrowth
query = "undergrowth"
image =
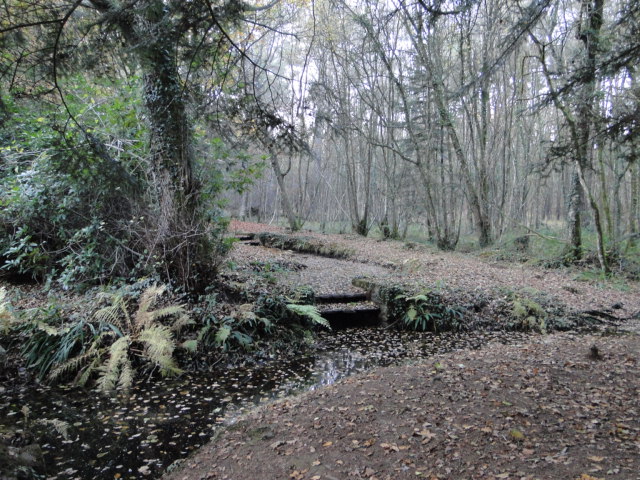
(120, 338)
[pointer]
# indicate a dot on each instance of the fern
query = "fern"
(126, 375)
(60, 426)
(115, 314)
(310, 312)
(159, 346)
(223, 334)
(116, 340)
(71, 365)
(87, 372)
(182, 321)
(110, 371)
(190, 345)
(143, 317)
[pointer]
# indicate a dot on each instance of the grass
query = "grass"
(597, 278)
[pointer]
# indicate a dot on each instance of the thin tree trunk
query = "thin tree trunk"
(573, 219)
(633, 206)
(294, 222)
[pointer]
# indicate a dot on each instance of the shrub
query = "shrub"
(528, 315)
(66, 206)
(428, 311)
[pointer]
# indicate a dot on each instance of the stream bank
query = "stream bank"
(141, 434)
(546, 408)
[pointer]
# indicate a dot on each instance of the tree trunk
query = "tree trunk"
(590, 37)
(177, 242)
(633, 206)
(573, 220)
(294, 222)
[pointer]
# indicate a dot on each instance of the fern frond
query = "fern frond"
(310, 312)
(126, 375)
(223, 334)
(190, 345)
(110, 371)
(143, 318)
(60, 426)
(85, 374)
(181, 322)
(159, 347)
(72, 365)
(166, 312)
(113, 314)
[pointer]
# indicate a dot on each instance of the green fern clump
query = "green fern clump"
(428, 311)
(123, 339)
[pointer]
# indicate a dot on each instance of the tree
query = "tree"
(171, 43)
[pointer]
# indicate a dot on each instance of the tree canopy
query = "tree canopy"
(127, 127)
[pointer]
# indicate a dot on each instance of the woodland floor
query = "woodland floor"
(549, 408)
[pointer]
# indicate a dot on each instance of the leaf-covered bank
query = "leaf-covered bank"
(543, 409)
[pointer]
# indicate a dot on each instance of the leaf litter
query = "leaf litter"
(536, 410)
(535, 407)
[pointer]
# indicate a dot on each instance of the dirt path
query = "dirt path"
(558, 407)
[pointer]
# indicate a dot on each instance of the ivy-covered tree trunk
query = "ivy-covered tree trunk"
(574, 224)
(633, 208)
(177, 242)
(176, 227)
(590, 37)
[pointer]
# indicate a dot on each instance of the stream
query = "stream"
(89, 436)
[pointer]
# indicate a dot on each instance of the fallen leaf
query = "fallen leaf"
(276, 444)
(144, 470)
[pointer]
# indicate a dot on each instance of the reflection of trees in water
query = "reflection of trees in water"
(332, 366)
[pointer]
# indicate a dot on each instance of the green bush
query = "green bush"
(67, 207)
(428, 311)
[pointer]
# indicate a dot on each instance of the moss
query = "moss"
(303, 245)
(528, 315)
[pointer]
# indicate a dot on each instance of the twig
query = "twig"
(545, 237)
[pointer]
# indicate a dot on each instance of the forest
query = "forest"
(216, 199)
